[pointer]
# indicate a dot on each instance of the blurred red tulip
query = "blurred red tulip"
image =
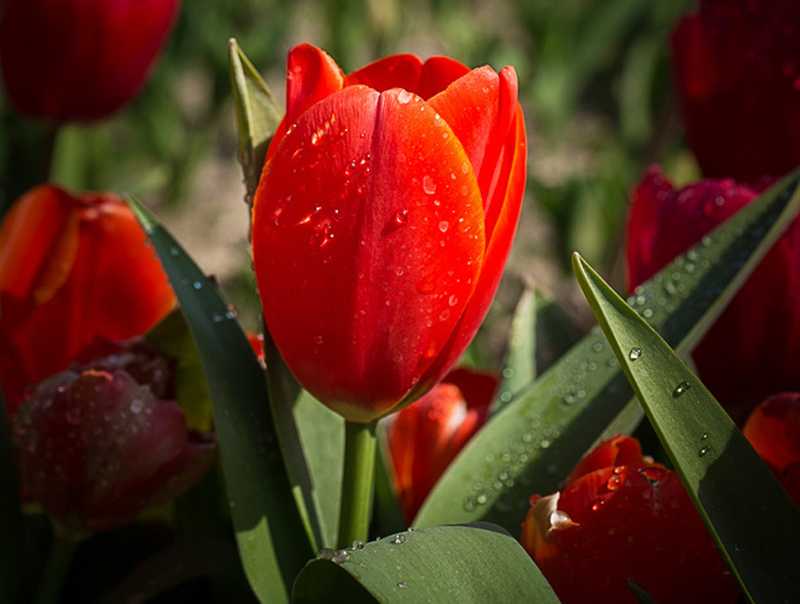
(737, 67)
(427, 435)
(383, 220)
(95, 446)
(80, 59)
(774, 431)
(753, 349)
(75, 271)
(630, 519)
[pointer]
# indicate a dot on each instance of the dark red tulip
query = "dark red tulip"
(628, 519)
(383, 220)
(737, 68)
(95, 446)
(427, 435)
(774, 431)
(80, 59)
(753, 349)
(75, 274)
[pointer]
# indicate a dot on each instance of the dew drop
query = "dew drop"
(443, 226)
(401, 217)
(358, 544)
(136, 406)
(703, 451)
(428, 185)
(680, 389)
(404, 97)
(399, 539)
(197, 285)
(402, 585)
(635, 353)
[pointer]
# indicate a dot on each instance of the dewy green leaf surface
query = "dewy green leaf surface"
(753, 520)
(531, 445)
(438, 564)
(268, 527)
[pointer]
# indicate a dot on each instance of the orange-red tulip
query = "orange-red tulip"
(75, 271)
(428, 434)
(383, 220)
(80, 60)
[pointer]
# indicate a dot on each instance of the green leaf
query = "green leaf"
(520, 365)
(268, 528)
(531, 445)
(257, 115)
(11, 535)
(752, 519)
(438, 564)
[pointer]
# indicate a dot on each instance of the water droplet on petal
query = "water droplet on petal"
(401, 217)
(428, 185)
(443, 226)
(404, 97)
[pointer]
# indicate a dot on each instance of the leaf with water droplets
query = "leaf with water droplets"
(479, 563)
(752, 519)
(268, 528)
(533, 443)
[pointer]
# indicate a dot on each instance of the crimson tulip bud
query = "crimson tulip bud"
(428, 434)
(75, 271)
(95, 447)
(753, 349)
(774, 431)
(382, 222)
(738, 80)
(630, 519)
(71, 60)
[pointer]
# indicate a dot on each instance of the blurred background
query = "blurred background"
(595, 85)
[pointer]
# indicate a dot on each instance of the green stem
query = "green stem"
(55, 570)
(359, 472)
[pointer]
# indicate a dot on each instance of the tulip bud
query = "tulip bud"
(75, 271)
(71, 60)
(630, 519)
(428, 434)
(95, 447)
(382, 222)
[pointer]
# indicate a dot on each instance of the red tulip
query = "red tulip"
(774, 431)
(427, 435)
(630, 519)
(737, 66)
(383, 220)
(75, 271)
(80, 59)
(95, 446)
(753, 349)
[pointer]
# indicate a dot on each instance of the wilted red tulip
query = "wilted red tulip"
(95, 446)
(383, 220)
(74, 271)
(80, 60)
(774, 431)
(737, 66)
(753, 350)
(427, 435)
(628, 519)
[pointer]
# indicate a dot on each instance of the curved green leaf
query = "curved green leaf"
(438, 564)
(531, 445)
(752, 519)
(268, 528)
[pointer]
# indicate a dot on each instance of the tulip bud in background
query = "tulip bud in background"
(80, 59)
(428, 434)
(75, 271)
(383, 220)
(774, 431)
(737, 70)
(753, 349)
(95, 446)
(620, 516)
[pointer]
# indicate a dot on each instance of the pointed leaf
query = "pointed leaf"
(752, 519)
(257, 115)
(269, 531)
(438, 564)
(531, 445)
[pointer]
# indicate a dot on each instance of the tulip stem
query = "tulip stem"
(62, 550)
(357, 485)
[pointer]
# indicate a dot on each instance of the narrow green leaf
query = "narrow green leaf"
(257, 115)
(268, 528)
(438, 564)
(639, 593)
(531, 445)
(520, 365)
(752, 519)
(12, 539)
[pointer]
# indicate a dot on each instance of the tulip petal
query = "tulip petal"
(438, 73)
(365, 205)
(396, 71)
(311, 75)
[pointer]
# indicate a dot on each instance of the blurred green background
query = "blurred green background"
(595, 84)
